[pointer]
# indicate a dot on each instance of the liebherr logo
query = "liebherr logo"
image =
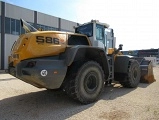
(44, 73)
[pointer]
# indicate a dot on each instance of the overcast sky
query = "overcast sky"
(135, 22)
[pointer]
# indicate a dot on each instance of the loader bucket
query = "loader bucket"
(146, 67)
(147, 75)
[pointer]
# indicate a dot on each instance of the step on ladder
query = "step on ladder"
(111, 68)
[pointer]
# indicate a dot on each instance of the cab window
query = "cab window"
(100, 33)
(85, 29)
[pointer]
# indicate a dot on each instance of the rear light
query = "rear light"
(31, 64)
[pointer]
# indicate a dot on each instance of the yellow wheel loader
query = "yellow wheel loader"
(79, 63)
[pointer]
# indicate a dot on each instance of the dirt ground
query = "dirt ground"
(21, 101)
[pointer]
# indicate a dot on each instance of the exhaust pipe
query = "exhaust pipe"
(27, 27)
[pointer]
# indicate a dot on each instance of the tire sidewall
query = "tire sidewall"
(80, 79)
(134, 82)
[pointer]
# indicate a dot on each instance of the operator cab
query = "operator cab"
(99, 34)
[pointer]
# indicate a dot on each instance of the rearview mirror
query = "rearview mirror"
(120, 47)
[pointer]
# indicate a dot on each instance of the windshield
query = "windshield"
(85, 29)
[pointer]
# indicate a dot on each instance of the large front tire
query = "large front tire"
(88, 83)
(132, 79)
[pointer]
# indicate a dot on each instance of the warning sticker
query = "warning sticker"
(44, 73)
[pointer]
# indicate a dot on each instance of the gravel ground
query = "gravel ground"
(21, 101)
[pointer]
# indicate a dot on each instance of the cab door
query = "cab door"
(110, 40)
(100, 37)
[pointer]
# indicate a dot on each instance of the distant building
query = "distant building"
(143, 53)
(10, 27)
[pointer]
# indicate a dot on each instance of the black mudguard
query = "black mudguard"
(85, 53)
(121, 63)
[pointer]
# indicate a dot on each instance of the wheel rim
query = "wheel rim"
(90, 82)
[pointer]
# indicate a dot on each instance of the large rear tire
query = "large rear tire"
(86, 82)
(132, 79)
